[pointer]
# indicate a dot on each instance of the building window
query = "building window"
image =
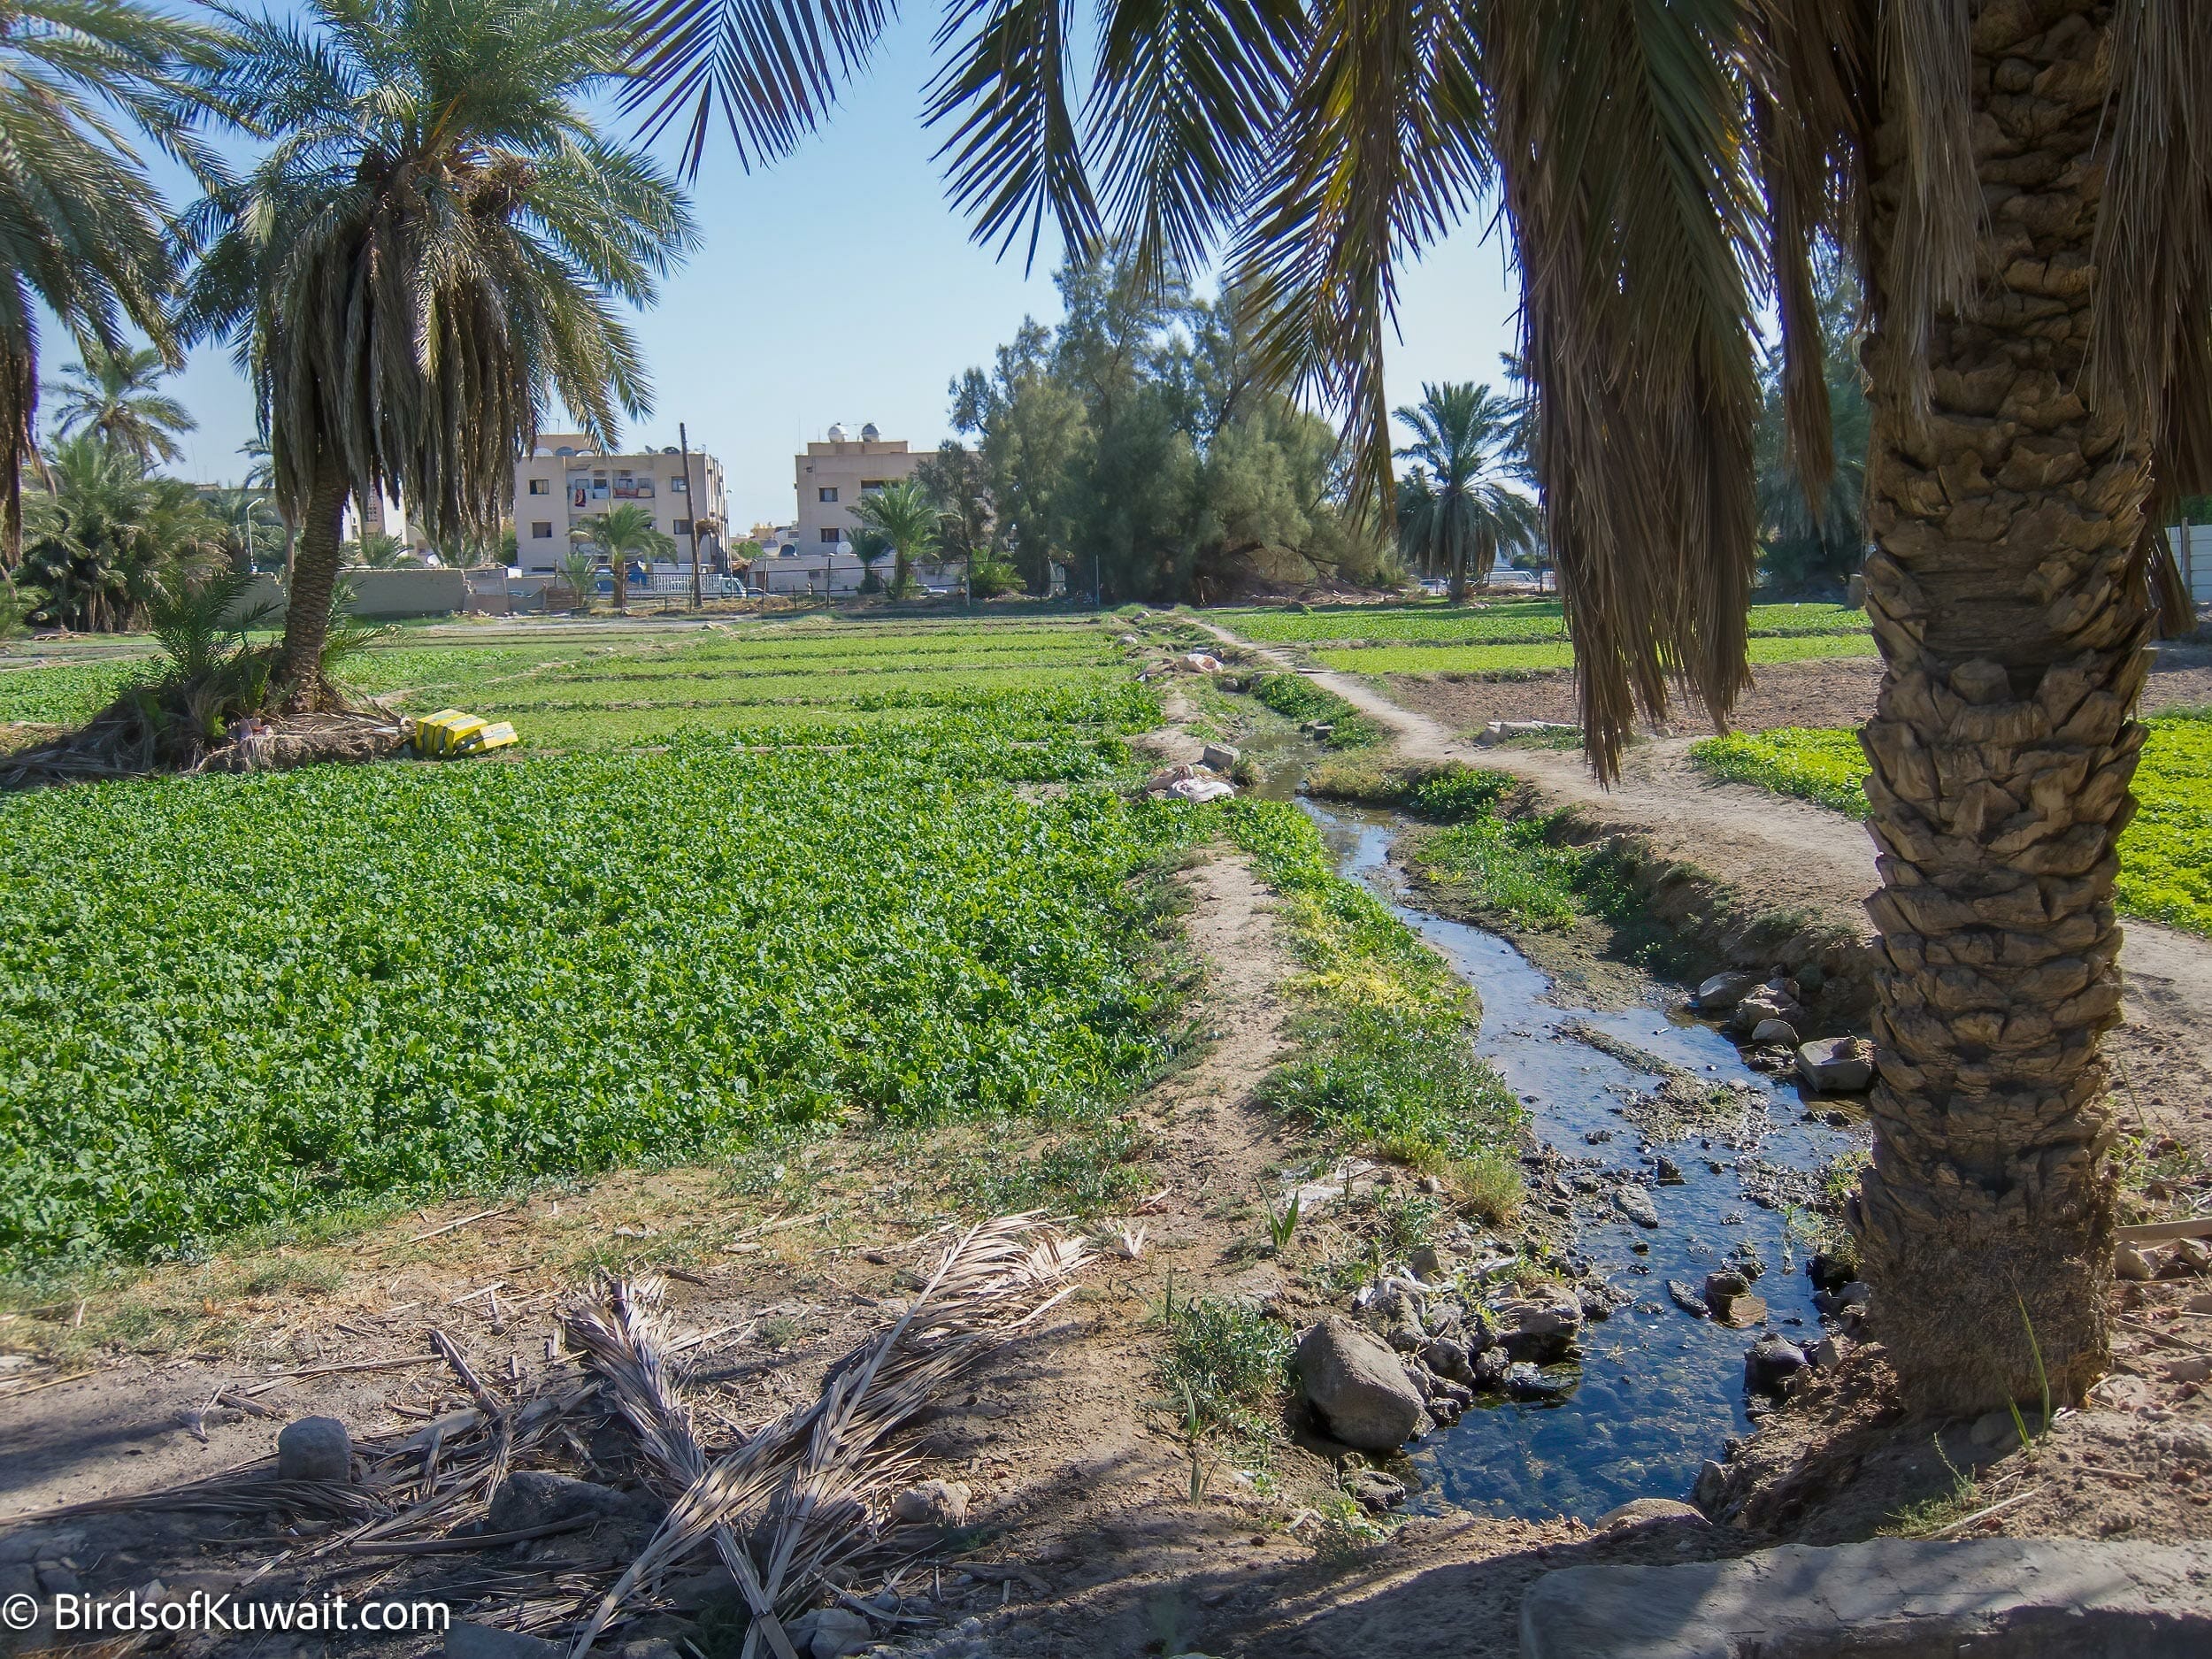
(679, 486)
(868, 486)
(679, 526)
(540, 530)
(541, 486)
(832, 533)
(826, 494)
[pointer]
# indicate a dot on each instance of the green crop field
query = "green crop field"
(904, 892)
(1504, 622)
(1508, 659)
(2165, 853)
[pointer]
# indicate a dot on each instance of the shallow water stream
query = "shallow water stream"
(1657, 1389)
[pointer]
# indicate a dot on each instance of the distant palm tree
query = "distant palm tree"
(907, 516)
(81, 225)
(623, 533)
(1467, 513)
(105, 541)
(373, 549)
(431, 257)
(113, 393)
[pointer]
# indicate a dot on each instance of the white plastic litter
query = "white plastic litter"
(1201, 789)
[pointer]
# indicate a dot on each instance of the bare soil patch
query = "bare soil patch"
(1837, 692)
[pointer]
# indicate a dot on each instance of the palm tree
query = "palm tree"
(433, 250)
(623, 533)
(2022, 189)
(113, 393)
(1460, 434)
(104, 541)
(82, 228)
(373, 550)
(905, 515)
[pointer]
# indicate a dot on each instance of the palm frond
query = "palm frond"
(800, 1495)
(1383, 146)
(1014, 152)
(1635, 225)
(773, 69)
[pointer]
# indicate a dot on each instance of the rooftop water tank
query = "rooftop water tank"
(868, 433)
(837, 432)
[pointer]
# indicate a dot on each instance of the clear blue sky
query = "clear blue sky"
(838, 286)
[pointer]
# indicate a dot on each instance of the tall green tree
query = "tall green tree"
(432, 251)
(115, 394)
(82, 231)
(104, 541)
(2026, 189)
(1462, 443)
(905, 515)
(620, 534)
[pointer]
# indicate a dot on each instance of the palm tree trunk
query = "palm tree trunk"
(2013, 632)
(314, 578)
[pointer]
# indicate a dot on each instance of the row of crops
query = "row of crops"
(751, 882)
(1512, 636)
(2165, 852)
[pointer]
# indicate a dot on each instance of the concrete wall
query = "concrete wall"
(2192, 552)
(378, 594)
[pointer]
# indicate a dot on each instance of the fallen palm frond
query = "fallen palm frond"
(799, 1495)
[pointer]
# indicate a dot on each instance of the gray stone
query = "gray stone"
(2132, 1261)
(2193, 1256)
(830, 1633)
(1712, 1485)
(1539, 1327)
(1357, 1386)
(1690, 1301)
(1904, 1598)
(1720, 994)
(649, 1647)
(1447, 1359)
(1651, 1512)
(40, 1543)
(1994, 1428)
(314, 1448)
(933, 1504)
(56, 1579)
(1836, 1065)
(1525, 1381)
(533, 1497)
(1763, 1005)
(1220, 757)
(464, 1640)
(1375, 1491)
(17, 1578)
(1775, 1031)
(1771, 1362)
(1427, 1264)
(1830, 1350)
(1635, 1203)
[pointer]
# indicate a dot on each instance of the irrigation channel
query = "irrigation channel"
(1657, 1390)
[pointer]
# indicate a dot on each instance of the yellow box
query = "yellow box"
(499, 734)
(444, 731)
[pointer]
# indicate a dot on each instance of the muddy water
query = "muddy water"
(1657, 1390)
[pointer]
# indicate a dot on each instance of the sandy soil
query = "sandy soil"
(1838, 692)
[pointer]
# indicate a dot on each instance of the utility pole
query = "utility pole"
(691, 504)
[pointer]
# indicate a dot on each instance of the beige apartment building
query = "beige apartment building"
(833, 476)
(565, 481)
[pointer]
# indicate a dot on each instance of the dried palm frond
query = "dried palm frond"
(799, 1495)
